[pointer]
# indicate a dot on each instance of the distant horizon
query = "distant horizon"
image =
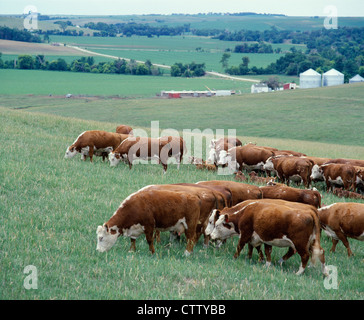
(309, 8)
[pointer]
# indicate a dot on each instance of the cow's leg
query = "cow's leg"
(305, 255)
(91, 152)
(150, 239)
(268, 251)
(190, 236)
(157, 236)
(242, 241)
(334, 243)
(345, 241)
(132, 246)
(289, 254)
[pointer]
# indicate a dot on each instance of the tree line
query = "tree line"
(83, 64)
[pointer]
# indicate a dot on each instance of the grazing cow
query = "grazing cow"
(274, 223)
(359, 178)
(150, 209)
(347, 194)
(239, 191)
(283, 192)
(291, 168)
(342, 220)
(335, 174)
(317, 160)
(288, 153)
(353, 162)
(95, 142)
(260, 180)
(148, 148)
(221, 146)
(250, 157)
(124, 129)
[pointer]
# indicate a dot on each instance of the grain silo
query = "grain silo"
(310, 79)
(356, 79)
(333, 78)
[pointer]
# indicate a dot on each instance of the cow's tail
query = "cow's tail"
(317, 251)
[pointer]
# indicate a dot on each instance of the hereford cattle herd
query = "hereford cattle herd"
(273, 214)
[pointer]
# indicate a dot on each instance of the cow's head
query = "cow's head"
(269, 165)
(106, 237)
(214, 215)
(70, 152)
(224, 157)
(114, 158)
(223, 228)
(212, 158)
(317, 173)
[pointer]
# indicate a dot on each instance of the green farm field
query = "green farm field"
(51, 206)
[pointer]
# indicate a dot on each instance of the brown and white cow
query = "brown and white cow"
(341, 221)
(283, 192)
(221, 146)
(239, 191)
(274, 223)
(335, 174)
(289, 153)
(95, 142)
(353, 162)
(161, 149)
(150, 209)
(249, 157)
(291, 168)
(253, 177)
(124, 129)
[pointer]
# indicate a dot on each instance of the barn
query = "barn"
(356, 79)
(310, 79)
(333, 78)
(259, 87)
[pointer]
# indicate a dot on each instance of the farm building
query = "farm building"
(195, 94)
(333, 78)
(356, 78)
(289, 86)
(259, 87)
(310, 79)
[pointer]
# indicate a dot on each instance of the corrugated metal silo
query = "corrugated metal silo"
(333, 78)
(310, 79)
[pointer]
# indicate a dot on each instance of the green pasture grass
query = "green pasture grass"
(325, 115)
(50, 209)
(36, 82)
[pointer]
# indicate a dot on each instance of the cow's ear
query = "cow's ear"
(217, 213)
(226, 218)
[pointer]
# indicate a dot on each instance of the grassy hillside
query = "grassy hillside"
(51, 208)
(327, 115)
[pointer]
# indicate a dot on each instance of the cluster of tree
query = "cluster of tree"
(295, 62)
(18, 35)
(188, 70)
(132, 28)
(253, 48)
(83, 64)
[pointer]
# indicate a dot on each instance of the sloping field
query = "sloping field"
(20, 47)
(51, 208)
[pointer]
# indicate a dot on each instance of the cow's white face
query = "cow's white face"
(212, 157)
(70, 153)
(316, 173)
(106, 238)
(223, 228)
(268, 165)
(114, 159)
(211, 223)
(224, 157)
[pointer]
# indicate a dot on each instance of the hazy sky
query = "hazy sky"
(121, 7)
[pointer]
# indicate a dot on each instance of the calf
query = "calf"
(206, 166)
(347, 194)
(274, 223)
(343, 220)
(239, 176)
(124, 129)
(148, 148)
(283, 192)
(95, 142)
(260, 180)
(335, 174)
(291, 168)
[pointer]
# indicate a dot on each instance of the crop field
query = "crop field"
(51, 206)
